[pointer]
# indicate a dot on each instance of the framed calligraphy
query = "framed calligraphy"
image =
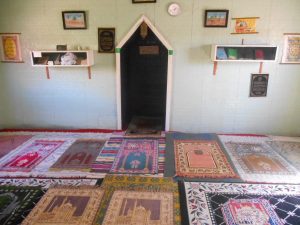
(10, 47)
(259, 85)
(291, 48)
(106, 40)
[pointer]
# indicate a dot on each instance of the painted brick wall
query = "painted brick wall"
(201, 102)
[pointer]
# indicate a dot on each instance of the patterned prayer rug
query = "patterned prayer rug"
(139, 200)
(256, 161)
(79, 156)
(16, 203)
(232, 204)
(30, 155)
(47, 183)
(137, 156)
(66, 205)
(288, 148)
(10, 142)
(199, 156)
(104, 161)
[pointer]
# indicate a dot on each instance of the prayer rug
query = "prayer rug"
(79, 156)
(30, 155)
(144, 126)
(66, 205)
(256, 161)
(46, 183)
(16, 203)
(10, 142)
(137, 156)
(289, 149)
(141, 200)
(199, 156)
(105, 159)
(233, 203)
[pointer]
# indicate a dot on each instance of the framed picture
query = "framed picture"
(10, 47)
(259, 85)
(143, 1)
(245, 25)
(291, 48)
(74, 20)
(106, 40)
(216, 18)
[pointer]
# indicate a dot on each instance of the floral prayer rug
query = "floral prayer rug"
(66, 205)
(287, 148)
(200, 156)
(137, 156)
(233, 203)
(10, 142)
(30, 155)
(16, 203)
(79, 156)
(139, 200)
(256, 161)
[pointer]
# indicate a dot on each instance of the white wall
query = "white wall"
(201, 102)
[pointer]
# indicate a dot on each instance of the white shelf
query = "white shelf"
(48, 58)
(85, 58)
(268, 53)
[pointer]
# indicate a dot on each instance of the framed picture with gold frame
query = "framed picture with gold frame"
(106, 40)
(10, 48)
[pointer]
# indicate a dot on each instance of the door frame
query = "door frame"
(169, 70)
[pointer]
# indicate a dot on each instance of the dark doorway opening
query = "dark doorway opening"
(144, 65)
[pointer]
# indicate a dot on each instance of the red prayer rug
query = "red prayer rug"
(11, 142)
(30, 156)
(79, 156)
(201, 159)
(137, 156)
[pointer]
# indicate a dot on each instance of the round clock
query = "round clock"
(174, 9)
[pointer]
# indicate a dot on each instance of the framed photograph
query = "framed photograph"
(143, 1)
(291, 48)
(74, 20)
(10, 47)
(259, 85)
(106, 40)
(216, 18)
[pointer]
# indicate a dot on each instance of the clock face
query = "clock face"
(174, 9)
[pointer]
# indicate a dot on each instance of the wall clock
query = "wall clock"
(174, 9)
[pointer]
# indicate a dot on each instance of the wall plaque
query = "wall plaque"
(259, 85)
(149, 50)
(106, 40)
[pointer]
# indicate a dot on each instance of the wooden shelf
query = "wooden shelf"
(48, 58)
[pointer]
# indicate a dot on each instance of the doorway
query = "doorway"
(143, 79)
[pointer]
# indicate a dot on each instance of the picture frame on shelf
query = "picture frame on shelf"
(259, 84)
(74, 20)
(291, 48)
(106, 40)
(216, 18)
(143, 1)
(10, 48)
(61, 47)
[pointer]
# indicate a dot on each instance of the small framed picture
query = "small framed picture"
(143, 1)
(74, 20)
(106, 40)
(291, 48)
(10, 48)
(259, 85)
(216, 18)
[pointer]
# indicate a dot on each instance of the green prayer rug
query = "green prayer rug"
(16, 203)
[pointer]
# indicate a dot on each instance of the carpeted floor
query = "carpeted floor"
(223, 179)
